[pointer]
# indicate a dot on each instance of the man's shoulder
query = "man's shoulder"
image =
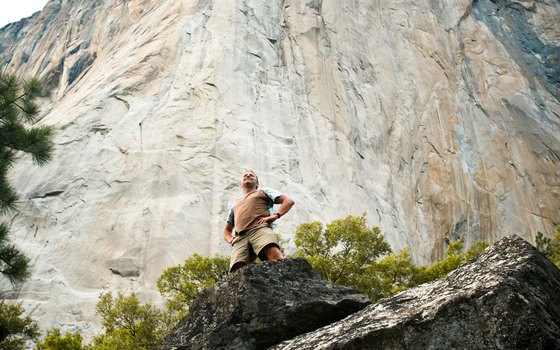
(271, 193)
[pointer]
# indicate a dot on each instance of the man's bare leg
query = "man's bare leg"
(272, 252)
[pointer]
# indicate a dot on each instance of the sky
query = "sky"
(14, 10)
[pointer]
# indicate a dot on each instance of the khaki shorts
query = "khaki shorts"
(247, 247)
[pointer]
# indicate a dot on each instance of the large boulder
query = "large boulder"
(507, 298)
(261, 305)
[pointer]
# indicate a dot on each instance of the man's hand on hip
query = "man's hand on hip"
(267, 219)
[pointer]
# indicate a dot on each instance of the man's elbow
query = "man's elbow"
(291, 202)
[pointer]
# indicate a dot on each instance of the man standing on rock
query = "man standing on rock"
(251, 218)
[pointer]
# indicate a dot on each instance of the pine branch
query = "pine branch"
(8, 196)
(35, 141)
(13, 264)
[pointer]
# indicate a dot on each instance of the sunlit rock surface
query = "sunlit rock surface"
(440, 120)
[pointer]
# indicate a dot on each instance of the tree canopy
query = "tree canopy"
(54, 340)
(128, 324)
(341, 252)
(349, 253)
(180, 284)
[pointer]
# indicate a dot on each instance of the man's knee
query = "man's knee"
(273, 252)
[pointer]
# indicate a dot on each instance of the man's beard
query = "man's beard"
(250, 185)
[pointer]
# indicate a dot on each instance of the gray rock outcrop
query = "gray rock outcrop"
(261, 305)
(507, 298)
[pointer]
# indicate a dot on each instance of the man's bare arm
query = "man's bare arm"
(228, 235)
(286, 204)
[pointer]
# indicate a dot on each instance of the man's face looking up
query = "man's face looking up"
(249, 180)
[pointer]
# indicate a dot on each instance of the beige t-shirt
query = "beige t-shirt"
(246, 211)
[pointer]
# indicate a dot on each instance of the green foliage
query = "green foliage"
(15, 329)
(550, 247)
(54, 340)
(349, 253)
(344, 251)
(454, 257)
(555, 250)
(390, 274)
(180, 285)
(475, 250)
(128, 324)
(18, 108)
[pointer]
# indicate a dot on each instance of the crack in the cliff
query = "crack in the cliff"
(122, 100)
(48, 194)
(141, 141)
(465, 15)
(539, 215)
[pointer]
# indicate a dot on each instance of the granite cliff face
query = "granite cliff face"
(440, 120)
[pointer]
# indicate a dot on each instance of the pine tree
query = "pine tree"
(18, 111)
